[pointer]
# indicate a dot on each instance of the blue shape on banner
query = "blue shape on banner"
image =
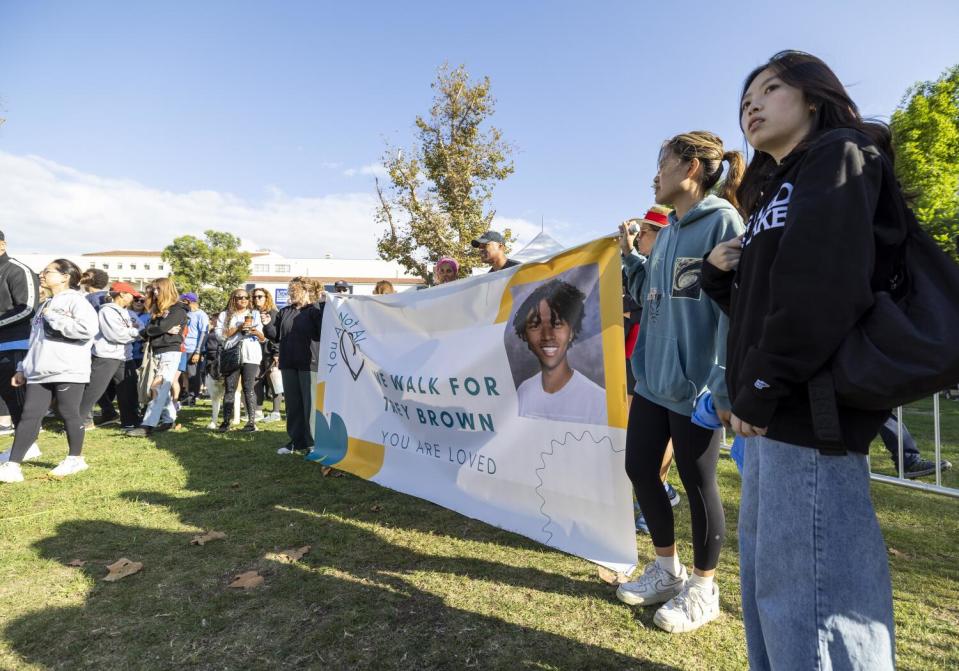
(330, 440)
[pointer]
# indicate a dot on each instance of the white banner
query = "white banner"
(502, 397)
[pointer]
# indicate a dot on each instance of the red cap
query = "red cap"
(657, 215)
(124, 288)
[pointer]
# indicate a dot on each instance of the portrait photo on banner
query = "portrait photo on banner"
(553, 342)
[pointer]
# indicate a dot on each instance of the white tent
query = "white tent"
(542, 245)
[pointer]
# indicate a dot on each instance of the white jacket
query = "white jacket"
(60, 340)
(117, 333)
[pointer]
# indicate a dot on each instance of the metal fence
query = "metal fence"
(900, 478)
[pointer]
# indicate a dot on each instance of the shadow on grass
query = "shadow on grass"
(357, 600)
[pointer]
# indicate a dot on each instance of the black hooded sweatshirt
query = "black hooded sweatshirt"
(297, 332)
(804, 279)
(156, 330)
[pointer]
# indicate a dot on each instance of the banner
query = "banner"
(502, 397)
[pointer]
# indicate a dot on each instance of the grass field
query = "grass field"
(390, 582)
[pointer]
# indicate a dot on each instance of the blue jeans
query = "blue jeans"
(161, 407)
(815, 578)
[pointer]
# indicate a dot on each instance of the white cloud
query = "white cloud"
(48, 207)
(370, 169)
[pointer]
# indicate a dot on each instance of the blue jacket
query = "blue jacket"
(681, 350)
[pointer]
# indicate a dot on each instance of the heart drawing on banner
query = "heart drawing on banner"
(351, 354)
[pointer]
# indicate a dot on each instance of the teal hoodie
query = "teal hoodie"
(681, 349)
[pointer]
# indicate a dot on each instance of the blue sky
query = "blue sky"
(129, 123)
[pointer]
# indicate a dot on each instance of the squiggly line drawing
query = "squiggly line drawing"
(542, 458)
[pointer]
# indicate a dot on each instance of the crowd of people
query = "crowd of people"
(739, 284)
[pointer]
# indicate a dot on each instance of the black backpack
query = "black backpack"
(906, 347)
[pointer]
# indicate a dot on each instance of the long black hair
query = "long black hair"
(834, 109)
(70, 269)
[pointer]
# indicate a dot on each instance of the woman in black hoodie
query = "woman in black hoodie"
(815, 580)
(296, 330)
(164, 335)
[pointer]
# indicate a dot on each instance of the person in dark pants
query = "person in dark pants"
(268, 382)
(914, 466)
(56, 366)
(296, 330)
(112, 348)
(19, 298)
(239, 325)
(679, 356)
(198, 327)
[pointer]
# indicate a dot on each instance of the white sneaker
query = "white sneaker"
(10, 472)
(284, 450)
(212, 425)
(273, 417)
(258, 416)
(656, 585)
(33, 452)
(689, 610)
(69, 466)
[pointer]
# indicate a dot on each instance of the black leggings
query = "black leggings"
(696, 451)
(35, 406)
(248, 373)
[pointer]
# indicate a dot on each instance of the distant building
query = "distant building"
(269, 270)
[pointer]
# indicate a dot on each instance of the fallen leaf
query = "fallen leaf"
(247, 580)
(203, 539)
(235, 485)
(78, 563)
(375, 508)
(121, 568)
(325, 470)
(295, 554)
(288, 556)
(611, 577)
(898, 553)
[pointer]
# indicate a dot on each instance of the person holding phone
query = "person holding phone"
(241, 325)
(269, 383)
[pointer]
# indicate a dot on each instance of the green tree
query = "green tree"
(925, 132)
(212, 267)
(439, 195)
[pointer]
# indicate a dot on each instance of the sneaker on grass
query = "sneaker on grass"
(69, 466)
(212, 425)
(32, 453)
(10, 472)
(140, 432)
(656, 585)
(919, 468)
(693, 607)
(272, 417)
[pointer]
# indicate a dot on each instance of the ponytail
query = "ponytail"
(734, 176)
